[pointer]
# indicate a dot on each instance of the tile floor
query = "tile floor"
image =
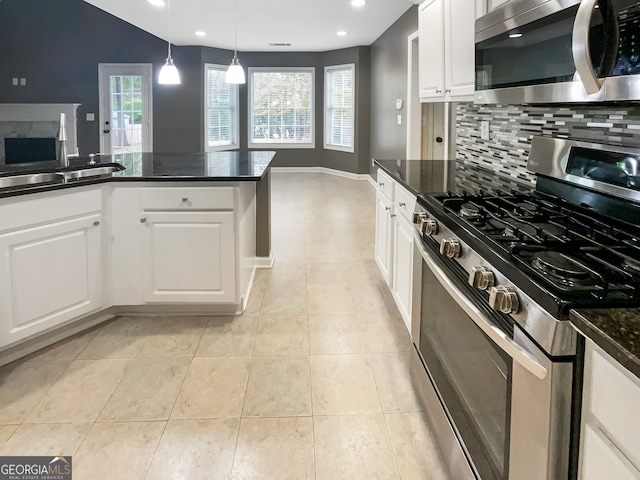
(311, 382)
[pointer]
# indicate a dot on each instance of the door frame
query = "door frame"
(414, 107)
(105, 69)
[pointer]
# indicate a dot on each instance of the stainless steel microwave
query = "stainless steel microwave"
(551, 51)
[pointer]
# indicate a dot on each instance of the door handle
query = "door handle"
(580, 43)
(106, 131)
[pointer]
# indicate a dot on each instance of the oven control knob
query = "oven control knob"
(429, 226)
(481, 278)
(504, 299)
(450, 247)
(418, 217)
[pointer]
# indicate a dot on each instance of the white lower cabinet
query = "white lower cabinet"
(384, 237)
(609, 446)
(403, 268)
(394, 249)
(50, 263)
(188, 257)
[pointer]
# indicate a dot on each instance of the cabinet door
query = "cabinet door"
(460, 18)
(189, 257)
(384, 236)
(431, 43)
(51, 274)
(600, 459)
(403, 268)
(493, 4)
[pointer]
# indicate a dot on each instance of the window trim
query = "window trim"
(268, 146)
(235, 112)
(330, 146)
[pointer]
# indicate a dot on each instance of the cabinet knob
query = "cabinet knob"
(402, 204)
(185, 199)
(143, 220)
(447, 91)
(381, 184)
(393, 215)
(387, 208)
(96, 223)
(438, 90)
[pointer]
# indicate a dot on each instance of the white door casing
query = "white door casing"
(126, 110)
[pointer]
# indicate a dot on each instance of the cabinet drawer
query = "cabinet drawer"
(187, 198)
(600, 460)
(385, 184)
(614, 399)
(405, 203)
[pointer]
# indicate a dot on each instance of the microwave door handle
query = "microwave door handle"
(580, 47)
(506, 344)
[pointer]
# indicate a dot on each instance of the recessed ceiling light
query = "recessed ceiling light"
(200, 33)
(157, 3)
(358, 3)
(515, 35)
(342, 33)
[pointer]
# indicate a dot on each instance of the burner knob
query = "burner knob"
(418, 217)
(429, 226)
(504, 299)
(450, 247)
(482, 278)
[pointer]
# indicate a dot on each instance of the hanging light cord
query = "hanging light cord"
(169, 8)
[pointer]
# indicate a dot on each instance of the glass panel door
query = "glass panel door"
(125, 114)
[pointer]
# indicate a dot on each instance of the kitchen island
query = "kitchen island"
(171, 233)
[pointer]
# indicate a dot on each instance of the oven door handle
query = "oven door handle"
(511, 348)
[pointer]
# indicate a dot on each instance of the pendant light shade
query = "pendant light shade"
(169, 74)
(235, 73)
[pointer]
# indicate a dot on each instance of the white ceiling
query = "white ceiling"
(309, 25)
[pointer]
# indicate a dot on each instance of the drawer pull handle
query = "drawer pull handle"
(393, 215)
(96, 223)
(143, 220)
(402, 204)
(387, 208)
(381, 184)
(185, 199)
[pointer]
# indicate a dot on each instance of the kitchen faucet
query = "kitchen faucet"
(62, 138)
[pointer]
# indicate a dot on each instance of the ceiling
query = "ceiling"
(308, 25)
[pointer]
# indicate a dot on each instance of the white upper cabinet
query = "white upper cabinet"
(493, 4)
(447, 50)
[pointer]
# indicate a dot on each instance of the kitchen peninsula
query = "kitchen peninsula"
(171, 233)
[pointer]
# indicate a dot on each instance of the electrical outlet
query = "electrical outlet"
(90, 117)
(23, 82)
(484, 130)
(399, 119)
(14, 81)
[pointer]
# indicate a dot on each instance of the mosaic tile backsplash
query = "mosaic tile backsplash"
(512, 126)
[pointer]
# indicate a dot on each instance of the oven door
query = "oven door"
(507, 403)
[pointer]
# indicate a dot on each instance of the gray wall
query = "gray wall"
(57, 46)
(388, 83)
(68, 38)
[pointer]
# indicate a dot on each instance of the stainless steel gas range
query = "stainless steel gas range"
(498, 363)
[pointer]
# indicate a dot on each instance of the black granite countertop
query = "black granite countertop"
(437, 176)
(227, 166)
(615, 330)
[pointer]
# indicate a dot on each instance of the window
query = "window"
(281, 107)
(339, 107)
(221, 110)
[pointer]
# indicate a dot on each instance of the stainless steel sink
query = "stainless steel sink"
(90, 172)
(31, 179)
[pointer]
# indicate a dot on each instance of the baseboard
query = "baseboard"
(329, 171)
(27, 347)
(372, 182)
(265, 262)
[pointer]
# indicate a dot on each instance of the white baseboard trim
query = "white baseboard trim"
(372, 182)
(329, 171)
(265, 262)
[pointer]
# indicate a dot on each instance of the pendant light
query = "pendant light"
(169, 74)
(235, 73)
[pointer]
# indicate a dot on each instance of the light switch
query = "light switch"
(14, 81)
(399, 119)
(399, 104)
(23, 82)
(91, 117)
